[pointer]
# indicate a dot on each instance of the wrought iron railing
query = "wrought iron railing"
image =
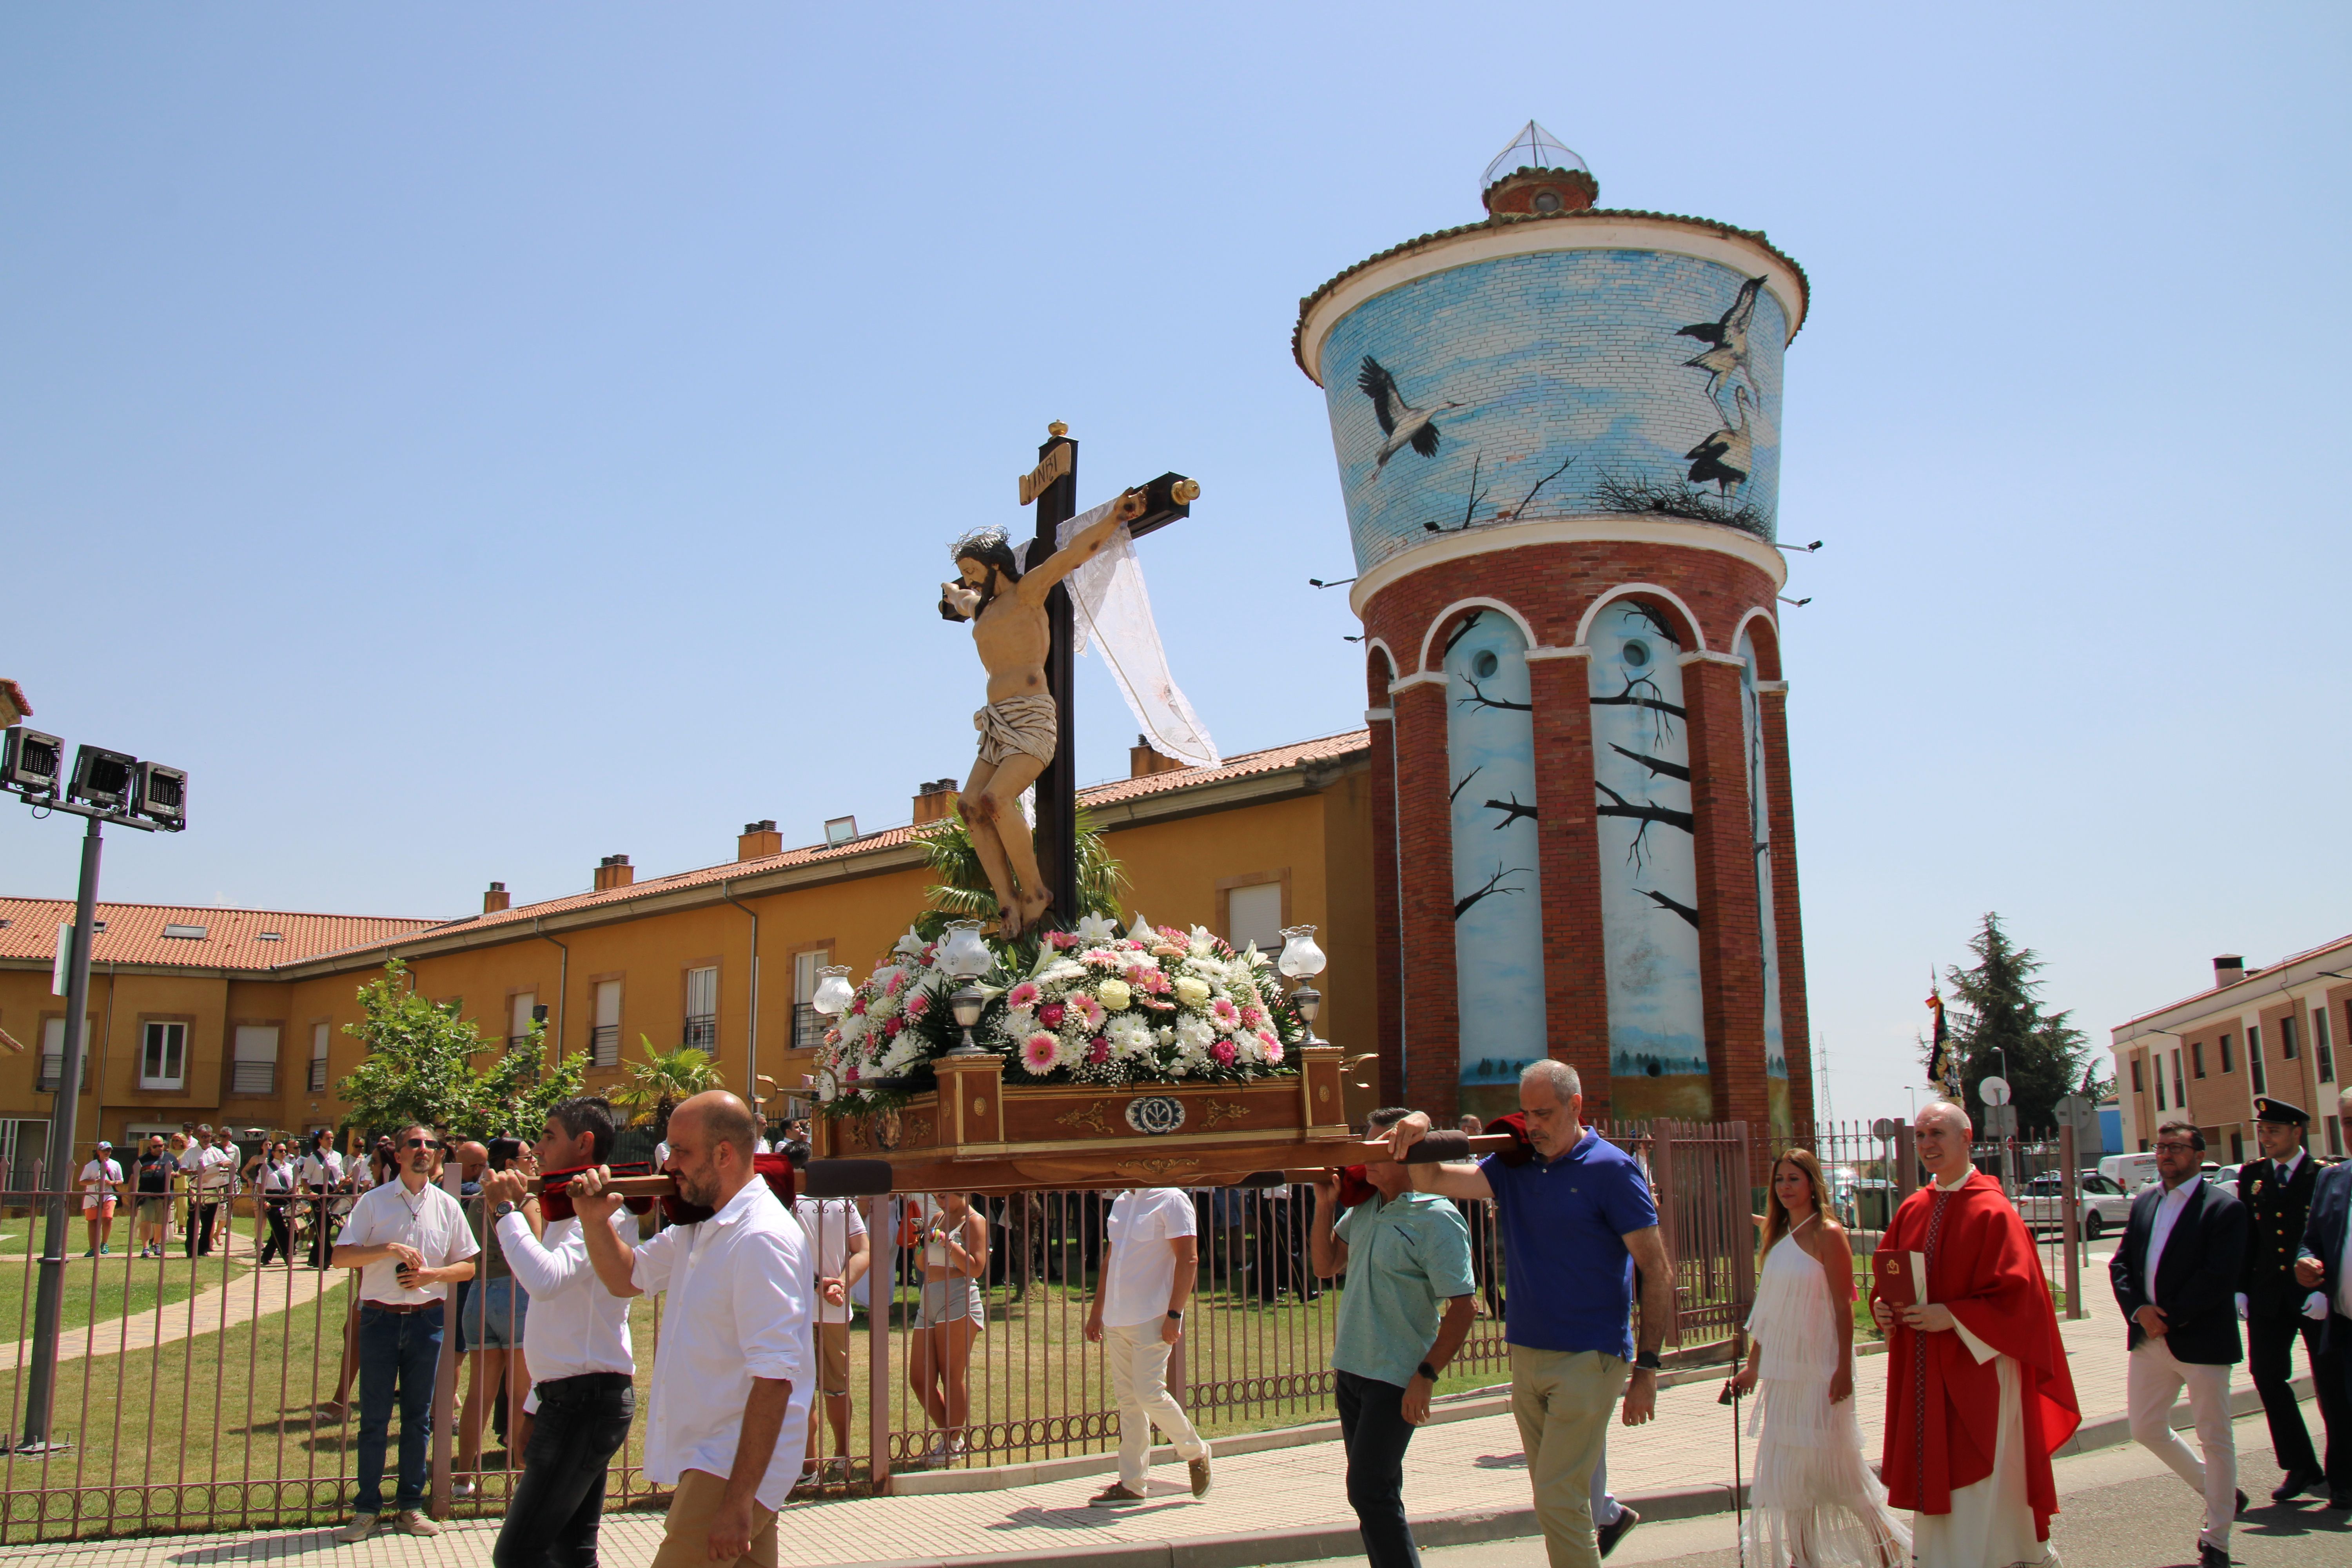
(702, 1032)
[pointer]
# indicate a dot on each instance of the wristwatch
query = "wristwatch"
(503, 1211)
(1175, 1315)
(1646, 1361)
(1427, 1371)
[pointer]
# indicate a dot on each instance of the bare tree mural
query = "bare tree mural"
(1490, 888)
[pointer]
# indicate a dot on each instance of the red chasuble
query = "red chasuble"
(1943, 1405)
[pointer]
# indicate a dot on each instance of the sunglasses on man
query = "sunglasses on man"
(424, 1142)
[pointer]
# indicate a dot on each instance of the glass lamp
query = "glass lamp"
(834, 992)
(1300, 963)
(964, 956)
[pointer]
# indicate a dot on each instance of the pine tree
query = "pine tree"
(1997, 1020)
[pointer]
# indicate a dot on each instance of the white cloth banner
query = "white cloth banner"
(1111, 612)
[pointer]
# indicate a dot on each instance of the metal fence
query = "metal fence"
(209, 1392)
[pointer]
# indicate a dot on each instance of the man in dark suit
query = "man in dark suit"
(2175, 1276)
(2324, 1267)
(2276, 1191)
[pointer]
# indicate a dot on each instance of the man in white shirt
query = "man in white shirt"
(841, 1254)
(575, 1339)
(102, 1184)
(209, 1167)
(730, 1388)
(408, 1239)
(2176, 1276)
(1152, 1255)
(317, 1174)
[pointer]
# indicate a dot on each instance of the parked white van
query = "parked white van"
(2130, 1172)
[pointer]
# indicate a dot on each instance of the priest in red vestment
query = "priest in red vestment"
(1978, 1394)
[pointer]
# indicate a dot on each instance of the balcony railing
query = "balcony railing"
(253, 1078)
(53, 1071)
(604, 1046)
(808, 1027)
(702, 1033)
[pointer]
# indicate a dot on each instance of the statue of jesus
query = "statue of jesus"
(1018, 731)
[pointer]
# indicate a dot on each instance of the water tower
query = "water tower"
(1558, 437)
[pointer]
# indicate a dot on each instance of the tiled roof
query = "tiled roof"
(1577, 214)
(1116, 791)
(232, 939)
(134, 933)
(2253, 973)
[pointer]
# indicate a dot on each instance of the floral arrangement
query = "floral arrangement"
(1151, 1005)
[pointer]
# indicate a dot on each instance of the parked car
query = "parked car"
(2103, 1204)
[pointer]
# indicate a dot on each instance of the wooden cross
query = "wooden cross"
(1053, 484)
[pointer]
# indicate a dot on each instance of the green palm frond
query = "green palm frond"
(962, 891)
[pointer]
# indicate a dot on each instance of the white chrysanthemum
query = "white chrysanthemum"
(853, 1028)
(1194, 1033)
(1129, 1034)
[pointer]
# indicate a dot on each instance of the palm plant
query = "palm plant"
(963, 891)
(658, 1084)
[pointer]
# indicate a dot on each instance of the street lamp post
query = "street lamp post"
(105, 786)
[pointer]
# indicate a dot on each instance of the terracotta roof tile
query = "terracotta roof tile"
(134, 931)
(233, 939)
(2254, 972)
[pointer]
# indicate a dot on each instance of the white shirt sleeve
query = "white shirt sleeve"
(544, 1269)
(770, 1293)
(651, 1270)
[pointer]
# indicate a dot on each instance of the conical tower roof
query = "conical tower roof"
(1533, 148)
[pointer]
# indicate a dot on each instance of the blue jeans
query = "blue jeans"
(397, 1351)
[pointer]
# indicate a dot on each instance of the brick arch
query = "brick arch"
(1446, 617)
(1380, 669)
(1660, 599)
(1766, 628)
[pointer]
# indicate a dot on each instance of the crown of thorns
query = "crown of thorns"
(981, 541)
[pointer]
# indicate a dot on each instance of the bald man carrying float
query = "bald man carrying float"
(733, 1375)
(1978, 1394)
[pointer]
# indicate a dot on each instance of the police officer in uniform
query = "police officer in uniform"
(2276, 1191)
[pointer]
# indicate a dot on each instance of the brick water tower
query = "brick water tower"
(1557, 435)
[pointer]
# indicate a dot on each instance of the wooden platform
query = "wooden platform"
(978, 1133)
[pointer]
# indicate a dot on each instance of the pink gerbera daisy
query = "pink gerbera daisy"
(1038, 1051)
(1228, 1015)
(1021, 995)
(917, 1005)
(1273, 1048)
(1089, 1009)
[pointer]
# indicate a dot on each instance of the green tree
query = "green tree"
(1996, 1021)
(963, 891)
(419, 1068)
(661, 1081)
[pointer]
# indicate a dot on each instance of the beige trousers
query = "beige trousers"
(1138, 1386)
(2154, 1380)
(1562, 1400)
(685, 1532)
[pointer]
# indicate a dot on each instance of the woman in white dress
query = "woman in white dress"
(1813, 1503)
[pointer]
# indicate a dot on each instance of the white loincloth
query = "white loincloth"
(1025, 725)
(1991, 1523)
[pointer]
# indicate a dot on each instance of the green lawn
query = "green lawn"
(97, 1289)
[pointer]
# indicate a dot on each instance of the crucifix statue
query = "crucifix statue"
(1022, 629)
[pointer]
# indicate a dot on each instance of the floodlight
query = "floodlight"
(29, 761)
(163, 794)
(102, 778)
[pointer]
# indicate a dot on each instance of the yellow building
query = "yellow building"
(237, 1015)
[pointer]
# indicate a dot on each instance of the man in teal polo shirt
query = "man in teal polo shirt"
(1404, 1254)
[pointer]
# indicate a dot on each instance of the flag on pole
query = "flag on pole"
(1934, 1003)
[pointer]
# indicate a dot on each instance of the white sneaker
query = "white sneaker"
(461, 1488)
(361, 1526)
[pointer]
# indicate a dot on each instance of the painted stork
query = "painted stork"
(1402, 423)
(1728, 454)
(1726, 340)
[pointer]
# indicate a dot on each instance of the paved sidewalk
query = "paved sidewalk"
(1465, 1481)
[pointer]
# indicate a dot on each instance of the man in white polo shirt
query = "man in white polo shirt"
(575, 1341)
(732, 1372)
(1148, 1270)
(408, 1239)
(840, 1252)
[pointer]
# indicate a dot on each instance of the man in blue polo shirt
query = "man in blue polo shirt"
(1577, 1221)
(1405, 1255)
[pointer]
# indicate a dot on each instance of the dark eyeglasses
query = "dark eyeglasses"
(424, 1142)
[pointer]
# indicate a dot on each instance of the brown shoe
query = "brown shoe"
(1200, 1468)
(1113, 1495)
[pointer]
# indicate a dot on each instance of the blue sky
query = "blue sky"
(475, 441)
